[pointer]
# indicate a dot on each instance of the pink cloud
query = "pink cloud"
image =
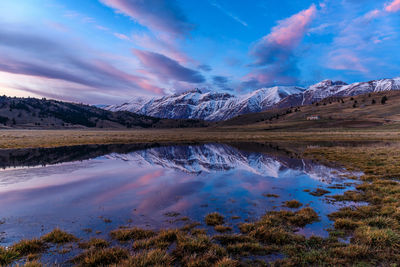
(373, 14)
(121, 36)
(275, 51)
(290, 31)
(393, 7)
(344, 59)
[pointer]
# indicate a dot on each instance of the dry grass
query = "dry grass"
(222, 228)
(25, 247)
(319, 192)
(7, 256)
(162, 240)
(155, 257)
(101, 257)
(270, 195)
(374, 228)
(55, 138)
(293, 204)
(58, 236)
(214, 219)
(134, 233)
(94, 243)
(32, 264)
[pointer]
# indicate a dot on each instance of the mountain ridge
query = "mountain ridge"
(215, 106)
(210, 106)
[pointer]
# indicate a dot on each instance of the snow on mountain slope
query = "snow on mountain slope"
(329, 88)
(135, 104)
(214, 106)
(207, 106)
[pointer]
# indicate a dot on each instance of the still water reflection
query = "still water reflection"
(82, 187)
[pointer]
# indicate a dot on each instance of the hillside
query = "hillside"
(43, 113)
(361, 111)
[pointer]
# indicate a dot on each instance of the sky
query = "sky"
(110, 51)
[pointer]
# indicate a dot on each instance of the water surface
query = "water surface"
(103, 187)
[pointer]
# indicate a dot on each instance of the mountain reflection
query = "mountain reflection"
(70, 188)
(209, 158)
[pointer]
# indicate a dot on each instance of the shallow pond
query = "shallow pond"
(103, 187)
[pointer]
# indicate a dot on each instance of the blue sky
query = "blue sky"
(108, 51)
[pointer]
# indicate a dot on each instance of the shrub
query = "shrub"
(383, 100)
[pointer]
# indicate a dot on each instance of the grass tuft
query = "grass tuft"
(319, 192)
(214, 219)
(161, 241)
(155, 257)
(58, 236)
(101, 257)
(7, 256)
(294, 204)
(378, 238)
(346, 224)
(94, 243)
(270, 195)
(135, 233)
(222, 228)
(26, 247)
(226, 262)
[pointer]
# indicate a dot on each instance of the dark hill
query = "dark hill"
(42, 113)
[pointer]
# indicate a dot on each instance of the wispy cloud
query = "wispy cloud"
(121, 36)
(204, 67)
(167, 24)
(228, 13)
(158, 15)
(166, 68)
(166, 46)
(36, 56)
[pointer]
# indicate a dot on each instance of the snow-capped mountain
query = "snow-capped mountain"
(211, 158)
(329, 88)
(213, 106)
